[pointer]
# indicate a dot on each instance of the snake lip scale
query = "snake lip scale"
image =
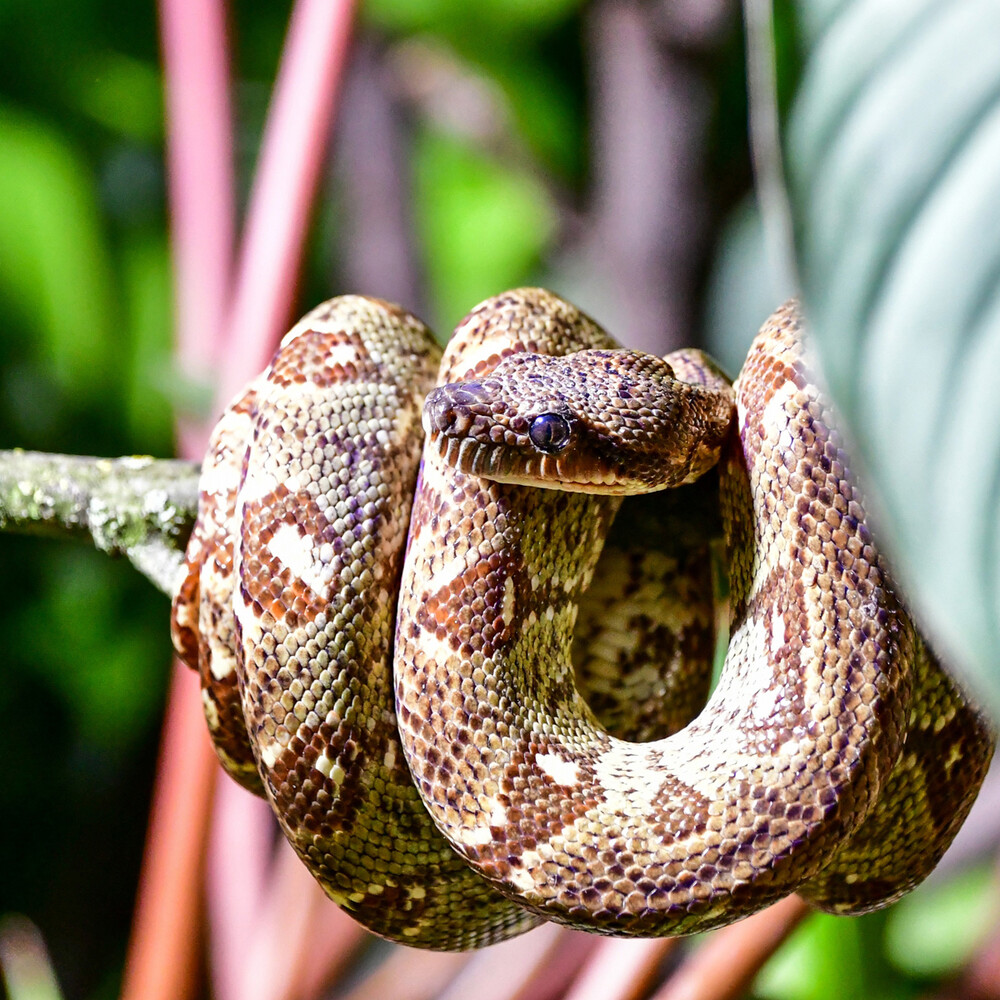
(474, 699)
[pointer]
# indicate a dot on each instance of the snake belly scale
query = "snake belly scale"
(835, 756)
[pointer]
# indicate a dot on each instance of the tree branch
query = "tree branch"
(139, 507)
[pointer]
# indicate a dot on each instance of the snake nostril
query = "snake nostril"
(440, 411)
(447, 414)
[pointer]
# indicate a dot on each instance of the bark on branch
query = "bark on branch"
(139, 507)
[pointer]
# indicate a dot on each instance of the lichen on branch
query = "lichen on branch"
(139, 507)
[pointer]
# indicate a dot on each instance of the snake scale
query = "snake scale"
(469, 713)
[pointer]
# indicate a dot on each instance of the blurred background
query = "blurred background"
(599, 149)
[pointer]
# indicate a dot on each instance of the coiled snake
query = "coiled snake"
(476, 789)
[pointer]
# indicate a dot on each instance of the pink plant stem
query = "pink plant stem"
(409, 974)
(502, 971)
(238, 866)
(162, 957)
(620, 970)
(295, 143)
(299, 940)
(551, 980)
(200, 185)
(725, 966)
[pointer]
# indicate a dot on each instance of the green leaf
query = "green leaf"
(124, 95)
(482, 224)
(55, 266)
(456, 17)
(892, 154)
(934, 931)
(822, 959)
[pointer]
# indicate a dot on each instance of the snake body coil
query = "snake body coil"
(835, 756)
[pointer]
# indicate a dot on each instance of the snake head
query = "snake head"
(598, 421)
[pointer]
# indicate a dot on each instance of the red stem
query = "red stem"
(295, 143)
(293, 151)
(238, 867)
(162, 956)
(201, 187)
(725, 966)
(620, 970)
(162, 960)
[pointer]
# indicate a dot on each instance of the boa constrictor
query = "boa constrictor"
(504, 773)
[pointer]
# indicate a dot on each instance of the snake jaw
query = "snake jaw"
(475, 433)
(537, 469)
(556, 430)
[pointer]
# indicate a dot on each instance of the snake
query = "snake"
(453, 617)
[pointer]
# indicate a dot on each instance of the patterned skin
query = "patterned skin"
(311, 475)
(767, 790)
(288, 612)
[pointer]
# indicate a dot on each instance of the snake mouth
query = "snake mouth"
(503, 464)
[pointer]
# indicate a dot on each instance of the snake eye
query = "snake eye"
(549, 432)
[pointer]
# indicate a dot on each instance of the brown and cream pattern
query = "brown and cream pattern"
(792, 776)
(835, 755)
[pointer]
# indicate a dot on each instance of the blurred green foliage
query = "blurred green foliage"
(85, 311)
(482, 226)
(896, 954)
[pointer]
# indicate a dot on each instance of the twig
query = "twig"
(649, 212)
(141, 508)
(724, 967)
(376, 254)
